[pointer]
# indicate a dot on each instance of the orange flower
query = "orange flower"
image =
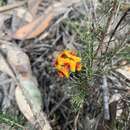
(67, 62)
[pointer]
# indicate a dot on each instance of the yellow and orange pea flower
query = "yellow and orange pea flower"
(67, 62)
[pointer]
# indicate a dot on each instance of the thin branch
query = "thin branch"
(107, 29)
(12, 6)
(118, 24)
(105, 90)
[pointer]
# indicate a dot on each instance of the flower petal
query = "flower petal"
(78, 67)
(67, 62)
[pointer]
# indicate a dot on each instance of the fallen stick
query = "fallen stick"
(11, 6)
(105, 92)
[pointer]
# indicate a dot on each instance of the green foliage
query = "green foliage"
(13, 122)
(78, 100)
(125, 54)
(90, 36)
(86, 38)
(80, 82)
(2, 2)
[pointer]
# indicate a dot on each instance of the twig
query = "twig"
(107, 29)
(11, 6)
(76, 121)
(122, 18)
(93, 12)
(111, 36)
(119, 49)
(58, 105)
(105, 90)
(11, 122)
